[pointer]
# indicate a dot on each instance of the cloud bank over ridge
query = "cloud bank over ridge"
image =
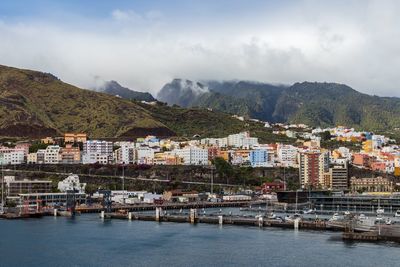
(143, 47)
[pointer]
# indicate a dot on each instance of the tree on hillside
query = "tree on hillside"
(325, 136)
(223, 168)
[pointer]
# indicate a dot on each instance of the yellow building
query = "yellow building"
(224, 154)
(367, 146)
(47, 141)
(396, 171)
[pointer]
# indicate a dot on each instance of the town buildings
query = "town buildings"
(97, 151)
(71, 183)
(193, 155)
(52, 154)
(12, 155)
(15, 187)
(337, 178)
(373, 184)
(287, 155)
(70, 155)
(261, 158)
(312, 167)
(75, 137)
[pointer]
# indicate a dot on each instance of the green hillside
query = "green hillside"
(315, 104)
(36, 104)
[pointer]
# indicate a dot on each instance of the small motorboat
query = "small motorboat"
(272, 216)
(347, 212)
(309, 211)
(288, 218)
(334, 217)
(379, 218)
(397, 214)
(380, 211)
(362, 217)
(388, 221)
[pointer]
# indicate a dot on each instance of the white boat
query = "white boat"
(259, 216)
(296, 215)
(397, 214)
(380, 211)
(388, 221)
(379, 218)
(288, 218)
(334, 217)
(272, 216)
(347, 212)
(362, 217)
(309, 211)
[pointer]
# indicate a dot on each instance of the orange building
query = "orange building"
(75, 137)
(361, 160)
(70, 154)
(378, 166)
(396, 171)
(173, 160)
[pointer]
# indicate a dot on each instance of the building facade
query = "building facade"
(376, 184)
(312, 168)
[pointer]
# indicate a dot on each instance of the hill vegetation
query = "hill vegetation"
(36, 104)
(315, 104)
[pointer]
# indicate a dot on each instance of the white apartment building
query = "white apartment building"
(126, 153)
(11, 156)
(144, 155)
(71, 183)
(287, 155)
(92, 158)
(52, 154)
(218, 142)
(97, 146)
(192, 155)
(97, 151)
(242, 140)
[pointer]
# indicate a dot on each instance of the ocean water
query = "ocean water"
(88, 241)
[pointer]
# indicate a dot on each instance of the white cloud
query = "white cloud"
(356, 43)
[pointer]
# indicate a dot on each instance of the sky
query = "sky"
(144, 44)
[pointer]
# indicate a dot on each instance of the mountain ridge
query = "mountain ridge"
(314, 103)
(114, 88)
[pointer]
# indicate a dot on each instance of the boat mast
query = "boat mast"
(284, 178)
(123, 184)
(2, 190)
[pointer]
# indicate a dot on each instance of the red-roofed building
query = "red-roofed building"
(272, 186)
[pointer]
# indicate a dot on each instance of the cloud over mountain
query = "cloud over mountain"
(146, 45)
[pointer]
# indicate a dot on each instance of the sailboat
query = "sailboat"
(347, 212)
(380, 210)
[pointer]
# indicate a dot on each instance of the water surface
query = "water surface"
(89, 241)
